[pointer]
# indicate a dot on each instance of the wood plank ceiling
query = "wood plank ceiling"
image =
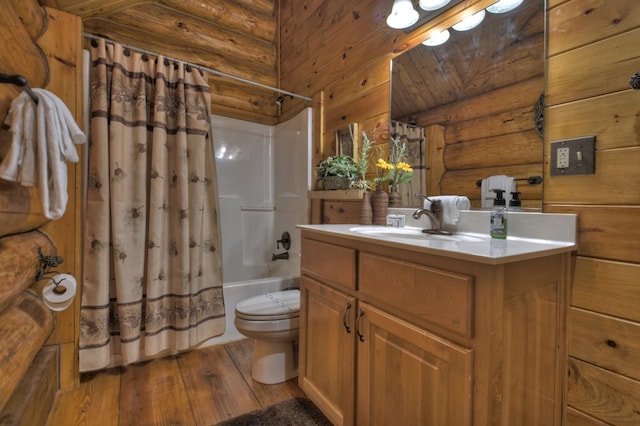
(236, 37)
(468, 64)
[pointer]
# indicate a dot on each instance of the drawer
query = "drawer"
(420, 294)
(329, 263)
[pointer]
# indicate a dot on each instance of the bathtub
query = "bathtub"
(234, 292)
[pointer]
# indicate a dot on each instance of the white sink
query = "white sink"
(410, 232)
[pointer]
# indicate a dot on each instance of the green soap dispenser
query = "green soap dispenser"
(498, 227)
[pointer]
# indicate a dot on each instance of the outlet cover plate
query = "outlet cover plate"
(582, 156)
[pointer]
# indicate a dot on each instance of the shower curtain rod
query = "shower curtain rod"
(203, 68)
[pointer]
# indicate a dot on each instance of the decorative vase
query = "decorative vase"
(380, 206)
(395, 199)
(366, 212)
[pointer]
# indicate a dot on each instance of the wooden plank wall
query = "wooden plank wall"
(340, 52)
(60, 44)
(592, 53)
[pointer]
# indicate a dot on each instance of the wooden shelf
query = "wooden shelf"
(337, 194)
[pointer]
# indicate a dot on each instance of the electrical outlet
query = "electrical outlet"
(563, 158)
(573, 156)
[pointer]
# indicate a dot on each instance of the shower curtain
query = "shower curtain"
(152, 263)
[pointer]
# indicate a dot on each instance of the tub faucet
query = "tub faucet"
(434, 213)
(280, 256)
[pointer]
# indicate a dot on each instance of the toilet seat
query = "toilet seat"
(279, 305)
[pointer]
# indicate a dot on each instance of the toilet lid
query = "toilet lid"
(279, 303)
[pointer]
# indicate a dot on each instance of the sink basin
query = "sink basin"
(411, 233)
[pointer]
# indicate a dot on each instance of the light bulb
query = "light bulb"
(437, 39)
(433, 4)
(504, 6)
(470, 22)
(402, 15)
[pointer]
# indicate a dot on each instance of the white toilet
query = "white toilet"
(272, 319)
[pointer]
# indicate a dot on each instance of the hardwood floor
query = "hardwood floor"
(201, 387)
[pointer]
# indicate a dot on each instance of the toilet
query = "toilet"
(272, 319)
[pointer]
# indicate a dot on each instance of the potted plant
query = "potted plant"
(337, 172)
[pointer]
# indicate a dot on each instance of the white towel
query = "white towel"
(451, 206)
(43, 139)
(506, 183)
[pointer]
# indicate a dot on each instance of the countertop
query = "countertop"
(531, 235)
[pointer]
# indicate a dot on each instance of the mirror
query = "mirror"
(475, 102)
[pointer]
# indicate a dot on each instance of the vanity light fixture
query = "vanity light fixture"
(437, 39)
(402, 15)
(504, 6)
(433, 4)
(470, 21)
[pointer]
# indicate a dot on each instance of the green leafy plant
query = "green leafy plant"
(339, 165)
(363, 164)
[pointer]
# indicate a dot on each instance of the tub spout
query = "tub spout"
(280, 256)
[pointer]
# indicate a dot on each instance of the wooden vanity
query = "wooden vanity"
(393, 334)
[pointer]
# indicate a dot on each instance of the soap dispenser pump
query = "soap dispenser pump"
(498, 227)
(515, 204)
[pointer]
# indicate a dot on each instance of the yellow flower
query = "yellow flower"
(384, 165)
(405, 167)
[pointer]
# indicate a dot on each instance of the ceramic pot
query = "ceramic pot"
(366, 212)
(380, 206)
(395, 199)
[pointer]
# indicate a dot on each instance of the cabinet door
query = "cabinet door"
(407, 376)
(326, 370)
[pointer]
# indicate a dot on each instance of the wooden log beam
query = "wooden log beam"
(230, 15)
(201, 55)
(24, 327)
(266, 7)
(19, 55)
(165, 23)
(504, 150)
(32, 15)
(20, 208)
(31, 402)
(19, 263)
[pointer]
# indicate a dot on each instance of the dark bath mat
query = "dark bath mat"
(292, 412)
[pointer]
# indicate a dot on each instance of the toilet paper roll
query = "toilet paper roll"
(59, 292)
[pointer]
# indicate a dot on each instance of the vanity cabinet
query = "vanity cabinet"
(391, 335)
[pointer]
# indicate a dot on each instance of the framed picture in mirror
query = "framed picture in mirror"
(344, 140)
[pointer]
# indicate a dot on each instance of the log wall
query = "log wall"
(588, 96)
(51, 62)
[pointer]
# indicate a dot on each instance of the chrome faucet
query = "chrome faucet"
(434, 213)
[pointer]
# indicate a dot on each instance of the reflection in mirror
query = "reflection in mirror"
(466, 108)
(345, 140)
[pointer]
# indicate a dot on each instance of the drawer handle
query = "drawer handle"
(344, 317)
(360, 315)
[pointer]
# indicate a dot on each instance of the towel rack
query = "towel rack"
(18, 80)
(531, 180)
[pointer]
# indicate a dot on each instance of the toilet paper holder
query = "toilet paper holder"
(47, 262)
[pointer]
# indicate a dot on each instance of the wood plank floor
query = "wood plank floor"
(201, 387)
